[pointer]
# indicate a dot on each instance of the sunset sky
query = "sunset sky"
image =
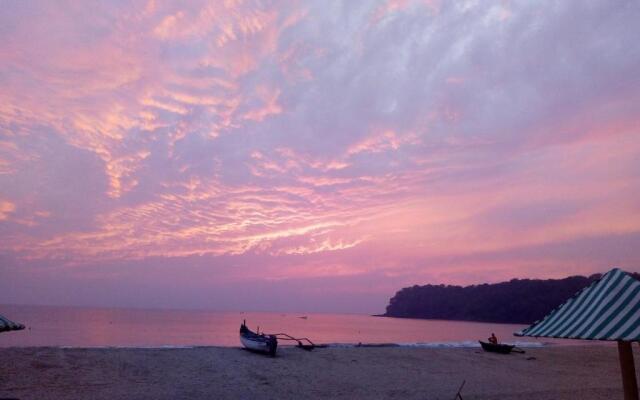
(312, 155)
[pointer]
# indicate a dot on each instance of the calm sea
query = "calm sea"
(103, 327)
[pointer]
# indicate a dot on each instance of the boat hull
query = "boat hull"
(260, 343)
(496, 348)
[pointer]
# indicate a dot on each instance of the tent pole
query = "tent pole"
(628, 369)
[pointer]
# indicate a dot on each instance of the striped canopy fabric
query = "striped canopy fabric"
(608, 309)
(8, 325)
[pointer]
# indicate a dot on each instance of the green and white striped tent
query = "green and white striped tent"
(8, 325)
(608, 309)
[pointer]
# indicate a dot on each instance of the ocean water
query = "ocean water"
(104, 327)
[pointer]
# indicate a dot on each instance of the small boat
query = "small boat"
(496, 348)
(258, 342)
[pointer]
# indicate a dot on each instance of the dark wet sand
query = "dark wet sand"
(589, 372)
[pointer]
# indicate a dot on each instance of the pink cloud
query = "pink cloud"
(6, 208)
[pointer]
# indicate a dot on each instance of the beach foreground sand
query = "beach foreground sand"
(589, 372)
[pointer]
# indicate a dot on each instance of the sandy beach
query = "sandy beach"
(585, 372)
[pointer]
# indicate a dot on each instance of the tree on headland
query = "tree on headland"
(519, 301)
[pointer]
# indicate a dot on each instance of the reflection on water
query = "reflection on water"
(97, 327)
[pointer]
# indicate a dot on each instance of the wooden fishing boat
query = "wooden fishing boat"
(496, 348)
(258, 342)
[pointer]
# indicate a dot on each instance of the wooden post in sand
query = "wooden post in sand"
(628, 369)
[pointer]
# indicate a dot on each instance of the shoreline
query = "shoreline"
(548, 372)
(470, 344)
